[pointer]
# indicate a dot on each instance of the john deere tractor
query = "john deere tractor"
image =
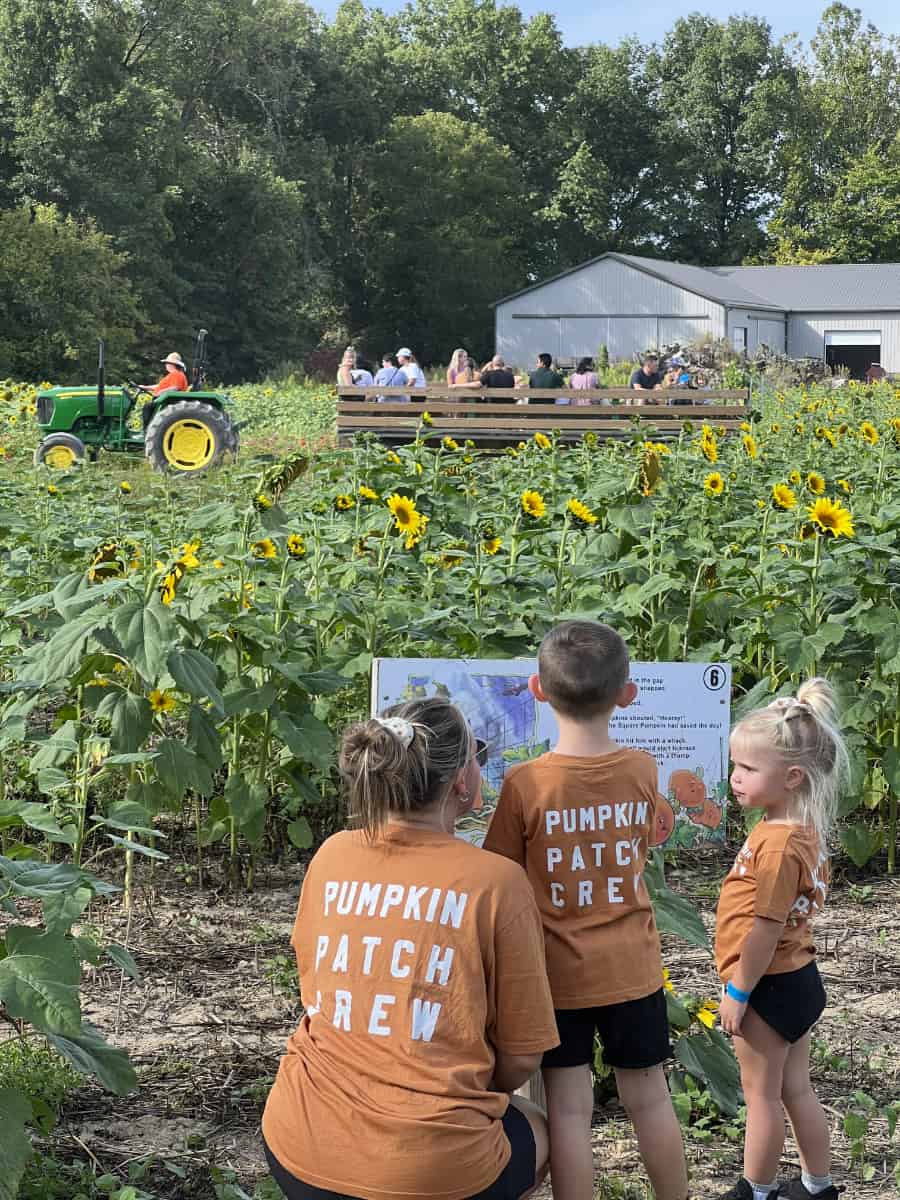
(183, 432)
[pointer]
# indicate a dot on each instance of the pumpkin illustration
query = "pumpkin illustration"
(688, 789)
(708, 815)
(663, 822)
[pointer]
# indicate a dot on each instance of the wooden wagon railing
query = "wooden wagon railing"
(493, 418)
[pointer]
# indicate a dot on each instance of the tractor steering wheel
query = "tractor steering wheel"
(137, 388)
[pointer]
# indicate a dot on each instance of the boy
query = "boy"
(578, 820)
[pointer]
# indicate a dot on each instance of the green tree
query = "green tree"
(447, 207)
(848, 117)
(726, 92)
(62, 286)
(607, 191)
(858, 222)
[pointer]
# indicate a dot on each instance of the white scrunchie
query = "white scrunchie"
(399, 727)
(787, 703)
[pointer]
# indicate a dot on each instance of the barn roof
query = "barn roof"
(832, 287)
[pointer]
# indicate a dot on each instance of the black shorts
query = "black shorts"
(634, 1033)
(516, 1178)
(790, 1003)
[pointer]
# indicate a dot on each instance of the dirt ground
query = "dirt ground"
(206, 1027)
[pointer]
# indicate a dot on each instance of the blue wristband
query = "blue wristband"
(736, 993)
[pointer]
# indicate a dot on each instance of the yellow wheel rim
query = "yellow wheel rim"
(188, 445)
(60, 457)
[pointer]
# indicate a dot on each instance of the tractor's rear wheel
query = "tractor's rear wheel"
(60, 451)
(188, 436)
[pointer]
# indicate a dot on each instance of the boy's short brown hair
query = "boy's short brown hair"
(582, 667)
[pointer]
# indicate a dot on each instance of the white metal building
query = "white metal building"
(846, 314)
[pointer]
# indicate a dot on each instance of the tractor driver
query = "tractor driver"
(176, 379)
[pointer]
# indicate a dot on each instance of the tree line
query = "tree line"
(292, 183)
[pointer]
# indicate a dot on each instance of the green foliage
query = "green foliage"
(295, 181)
(62, 285)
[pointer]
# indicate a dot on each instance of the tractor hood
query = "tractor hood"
(59, 408)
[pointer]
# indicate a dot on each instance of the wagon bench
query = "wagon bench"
(497, 421)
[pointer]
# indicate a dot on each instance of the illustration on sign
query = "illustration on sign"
(681, 716)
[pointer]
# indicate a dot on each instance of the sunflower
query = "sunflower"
(451, 557)
(580, 513)
(829, 436)
(125, 487)
(795, 477)
(491, 545)
(542, 441)
(161, 702)
(263, 549)
(714, 484)
(393, 459)
(590, 440)
(218, 563)
(188, 555)
(414, 536)
(783, 496)
(368, 494)
(708, 446)
(533, 504)
(830, 516)
(261, 502)
(170, 581)
(745, 427)
(449, 444)
(343, 502)
(296, 547)
(706, 1014)
(406, 516)
(667, 982)
(750, 445)
(427, 418)
(52, 489)
(806, 531)
(845, 485)
(868, 433)
(816, 483)
(775, 427)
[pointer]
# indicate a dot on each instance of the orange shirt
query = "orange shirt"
(175, 379)
(580, 828)
(780, 873)
(418, 955)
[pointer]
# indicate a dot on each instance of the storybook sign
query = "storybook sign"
(681, 716)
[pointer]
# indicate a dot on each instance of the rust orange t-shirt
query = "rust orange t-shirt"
(175, 379)
(419, 955)
(780, 873)
(580, 827)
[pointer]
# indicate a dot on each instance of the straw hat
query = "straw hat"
(174, 358)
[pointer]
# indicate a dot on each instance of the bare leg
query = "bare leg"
(647, 1100)
(570, 1106)
(806, 1114)
(762, 1054)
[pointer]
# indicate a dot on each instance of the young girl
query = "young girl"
(790, 761)
(421, 961)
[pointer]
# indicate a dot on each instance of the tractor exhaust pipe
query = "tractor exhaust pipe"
(101, 377)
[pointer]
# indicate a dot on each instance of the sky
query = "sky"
(609, 21)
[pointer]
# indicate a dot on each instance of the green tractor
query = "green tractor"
(181, 432)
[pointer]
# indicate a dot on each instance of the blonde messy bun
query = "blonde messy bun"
(803, 731)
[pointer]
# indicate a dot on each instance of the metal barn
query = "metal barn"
(846, 314)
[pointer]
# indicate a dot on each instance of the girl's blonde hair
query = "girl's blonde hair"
(456, 364)
(803, 731)
(386, 774)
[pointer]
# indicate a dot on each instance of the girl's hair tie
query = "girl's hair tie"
(789, 704)
(402, 729)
